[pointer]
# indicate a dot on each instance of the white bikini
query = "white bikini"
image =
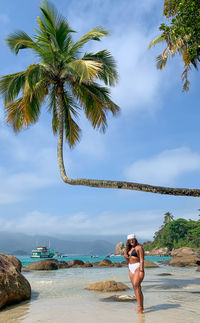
(133, 267)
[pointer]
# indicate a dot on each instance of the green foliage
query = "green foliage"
(181, 34)
(62, 71)
(176, 234)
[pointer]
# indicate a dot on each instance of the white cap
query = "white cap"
(131, 236)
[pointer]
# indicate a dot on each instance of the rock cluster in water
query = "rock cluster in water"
(54, 264)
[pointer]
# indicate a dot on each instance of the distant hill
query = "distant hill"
(15, 242)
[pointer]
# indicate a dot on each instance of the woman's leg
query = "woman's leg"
(137, 279)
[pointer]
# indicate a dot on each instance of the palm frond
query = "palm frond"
(71, 128)
(161, 38)
(108, 73)
(161, 60)
(185, 80)
(186, 58)
(94, 34)
(19, 40)
(25, 110)
(52, 23)
(52, 107)
(84, 70)
(95, 99)
(35, 73)
(11, 85)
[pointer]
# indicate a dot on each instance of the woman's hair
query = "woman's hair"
(128, 245)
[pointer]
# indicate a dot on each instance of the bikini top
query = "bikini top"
(134, 253)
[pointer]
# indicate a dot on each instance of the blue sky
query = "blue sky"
(154, 140)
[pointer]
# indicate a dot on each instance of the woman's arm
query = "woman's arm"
(141, 258)
(126, 255)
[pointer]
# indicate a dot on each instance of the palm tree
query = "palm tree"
(68, 80)
(168, 218)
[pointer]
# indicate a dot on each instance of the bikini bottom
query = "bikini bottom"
(133, 267)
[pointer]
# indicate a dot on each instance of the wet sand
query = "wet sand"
(60, 296)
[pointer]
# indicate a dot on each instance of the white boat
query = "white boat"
(42, 252)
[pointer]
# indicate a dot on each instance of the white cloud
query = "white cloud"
(32, 167)
(143, 223)
(164, 168)
(81, 223)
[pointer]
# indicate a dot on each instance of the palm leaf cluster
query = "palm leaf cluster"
(181, 35)
(63, 75)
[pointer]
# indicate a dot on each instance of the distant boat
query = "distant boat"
(94, 256)
(64, 256)
(56, 254)
(42, 252)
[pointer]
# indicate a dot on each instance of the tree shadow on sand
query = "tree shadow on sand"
(161, 307)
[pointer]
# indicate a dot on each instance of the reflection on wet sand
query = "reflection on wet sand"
(161, 307)
(15, 313)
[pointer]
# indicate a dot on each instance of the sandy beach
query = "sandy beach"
(59, 296)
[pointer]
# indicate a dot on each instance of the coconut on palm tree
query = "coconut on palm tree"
(69, 80)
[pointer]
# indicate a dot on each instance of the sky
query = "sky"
(154, 140)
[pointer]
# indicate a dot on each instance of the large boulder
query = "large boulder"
(108, 286)
(119, 249)
(75, 263)
(14, 287)
(47, 264)
(16, 262)
(105, 263)
(158, 252)
(149, 264)
(185, 257)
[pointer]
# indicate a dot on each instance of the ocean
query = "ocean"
(60, 296)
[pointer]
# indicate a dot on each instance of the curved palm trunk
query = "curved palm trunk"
(107, 183)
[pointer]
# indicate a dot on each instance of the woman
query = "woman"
(134, 254)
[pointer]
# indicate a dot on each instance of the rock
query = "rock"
(117, 264)
(87, 264)
(47, 264)
(105, 263)
(108, 286)
(124, 263)
(14, 287)
(185, 251)
(120, 298)
(158, 252)
(14, 261)
(185, 257)
(76, 262)
(119, 249)
(198, 268)
(165, 274)
(63, 264)
(163, 262)
(150, 264)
